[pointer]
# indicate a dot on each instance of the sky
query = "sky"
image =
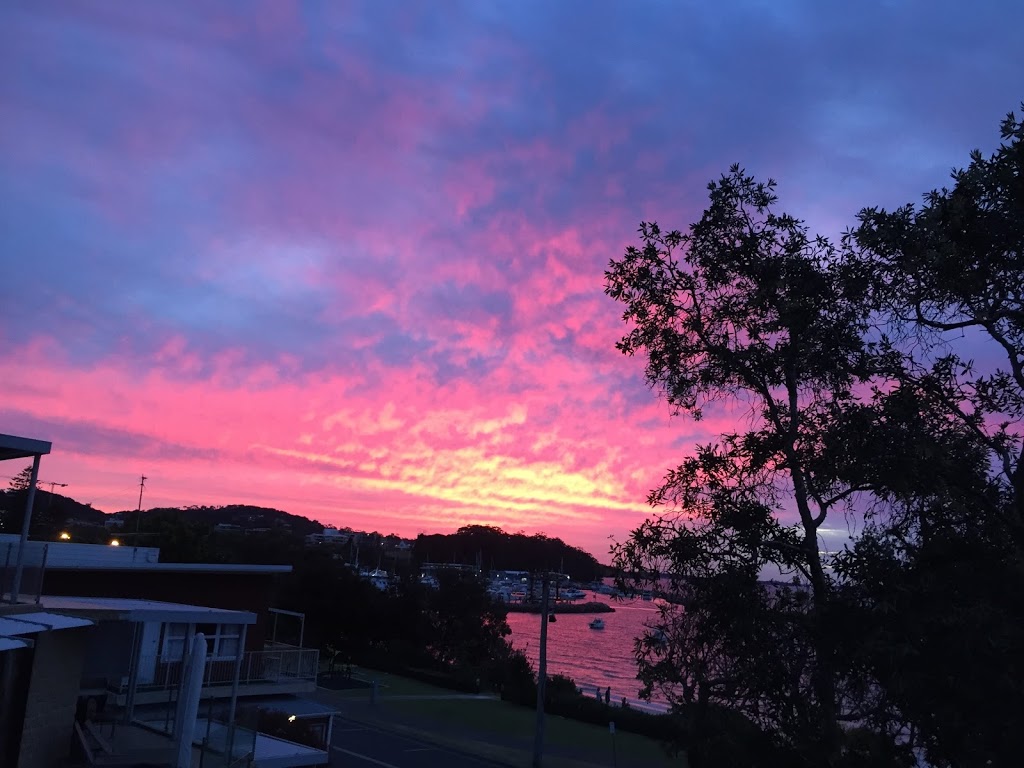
(346, 258)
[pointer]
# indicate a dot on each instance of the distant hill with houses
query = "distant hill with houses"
(242, 516)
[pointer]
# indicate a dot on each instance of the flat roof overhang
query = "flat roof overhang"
(34, 623)
(14, 447)
(224, 568)
(135, 610)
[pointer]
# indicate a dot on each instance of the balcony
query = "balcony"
(277, 670)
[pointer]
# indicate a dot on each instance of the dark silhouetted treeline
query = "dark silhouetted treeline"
(491, 548)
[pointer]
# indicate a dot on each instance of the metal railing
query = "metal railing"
(33, 571)
(157, 673)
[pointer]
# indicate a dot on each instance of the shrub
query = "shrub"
(516, 681)
(715, 737)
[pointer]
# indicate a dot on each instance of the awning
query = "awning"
(10, 644)
(32, 623)
(14, 447)
(133, 609)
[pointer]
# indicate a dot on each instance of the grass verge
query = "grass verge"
(495, 729)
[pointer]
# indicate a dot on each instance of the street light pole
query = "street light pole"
(542, 674)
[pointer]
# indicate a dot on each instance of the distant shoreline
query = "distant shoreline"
(591, 607)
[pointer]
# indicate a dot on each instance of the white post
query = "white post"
(188, 704)
(25, 523)
(234, 692)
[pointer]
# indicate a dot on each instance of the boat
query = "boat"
(572, 594)
(551, 617)
(380, 579)
(597, 624)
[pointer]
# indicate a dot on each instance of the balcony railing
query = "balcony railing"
(32, 573)
(278, 666)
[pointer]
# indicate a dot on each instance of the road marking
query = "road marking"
(364, 757)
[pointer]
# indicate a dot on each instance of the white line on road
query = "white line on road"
(364, 757)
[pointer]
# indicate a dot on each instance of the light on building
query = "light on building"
(64, 536)
(291, 719)
(115, 543)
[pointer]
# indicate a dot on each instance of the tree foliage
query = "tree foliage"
(456, 629)
(749, 311)
(937, 581)
(494, 549)
(852, 375)
(45, 518)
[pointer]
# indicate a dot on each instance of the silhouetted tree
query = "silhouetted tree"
(749, 308)
(846, 368)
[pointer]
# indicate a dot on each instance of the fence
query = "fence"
(271, 666)
(33, 570)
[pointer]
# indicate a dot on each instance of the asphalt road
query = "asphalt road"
(357, 745)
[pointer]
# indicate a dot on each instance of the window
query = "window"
(227, 642)
(223, 641)
(173, 643)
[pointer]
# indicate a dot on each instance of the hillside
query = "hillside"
(243, 515)
(494, 549)
(50, 509)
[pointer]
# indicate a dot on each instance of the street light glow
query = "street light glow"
(115, 543)
(64, 536)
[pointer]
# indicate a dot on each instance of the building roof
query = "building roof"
(65, 555)
(174, 567)
(33, 623)
(14, 447)
(131, 609)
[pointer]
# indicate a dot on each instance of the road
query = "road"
(358, 745)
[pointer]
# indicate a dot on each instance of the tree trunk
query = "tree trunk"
(824, 669)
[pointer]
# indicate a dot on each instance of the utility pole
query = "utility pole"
(142, 484)
(138, 518)
(542, 674)
(49, 501)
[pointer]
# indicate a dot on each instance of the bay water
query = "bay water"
(597, 659)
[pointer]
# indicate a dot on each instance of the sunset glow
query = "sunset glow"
(347, 261)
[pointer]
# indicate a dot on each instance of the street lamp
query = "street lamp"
(64, 536)
(115, 543)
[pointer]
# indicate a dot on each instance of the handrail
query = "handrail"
(267, 667)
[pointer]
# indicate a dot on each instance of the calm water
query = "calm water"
(592, 657)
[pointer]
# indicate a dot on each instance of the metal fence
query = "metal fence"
(33, 570)
(270, 666)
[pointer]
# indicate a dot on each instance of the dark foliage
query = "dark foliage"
(494, 549)
(48, 510)
(859, 400)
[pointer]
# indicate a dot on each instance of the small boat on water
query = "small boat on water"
(572, 594)
(597, 624)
